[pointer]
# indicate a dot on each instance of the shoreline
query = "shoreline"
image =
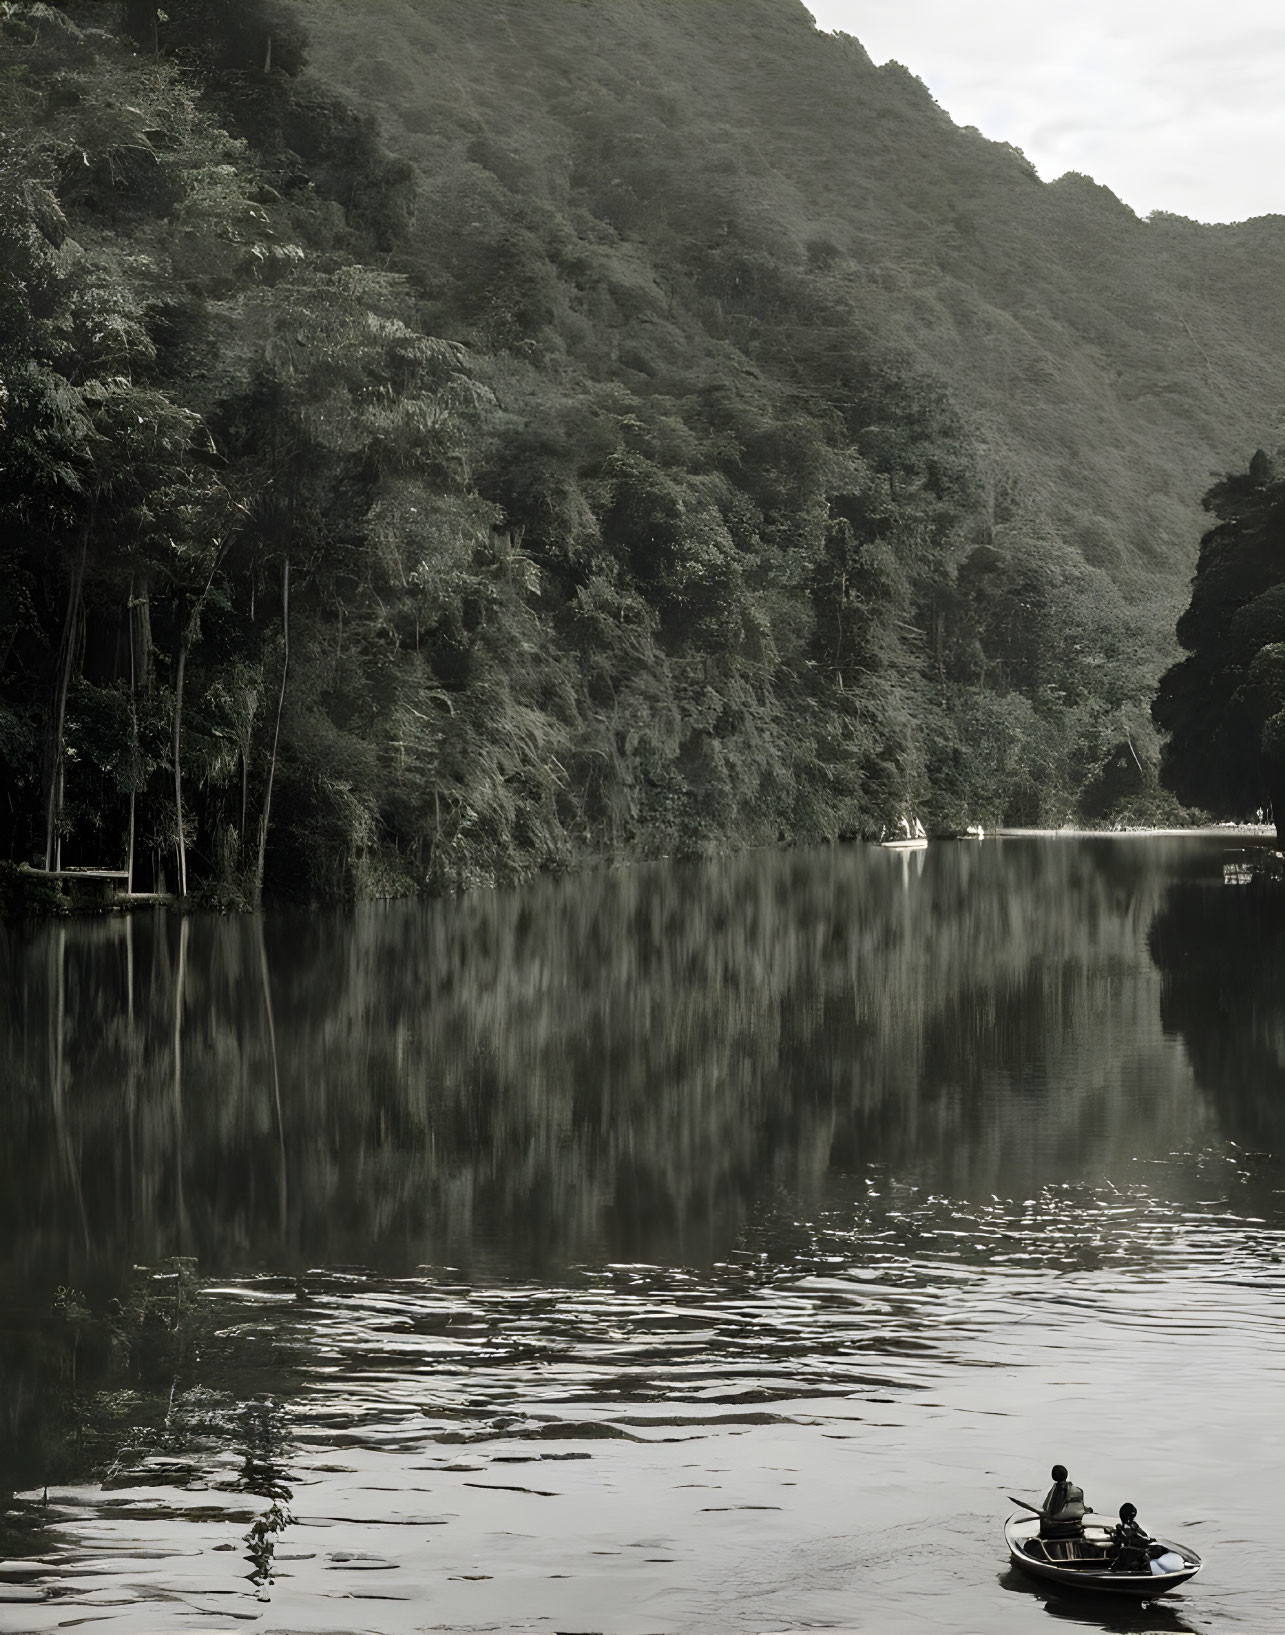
(1247, 831)
(41, 904)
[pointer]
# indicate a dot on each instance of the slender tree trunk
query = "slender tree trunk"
(276, 732)
(190, 633)
(66, 660)
(179, 837)
(245, 800)
(145, 670)
(62, 796)
(143, 608)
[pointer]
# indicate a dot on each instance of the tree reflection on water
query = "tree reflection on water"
(649, 1065)
(1221, 951)
(617, 1066)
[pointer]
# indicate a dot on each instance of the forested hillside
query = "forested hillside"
(442, 439)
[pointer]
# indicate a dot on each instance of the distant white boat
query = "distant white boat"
(913, 840)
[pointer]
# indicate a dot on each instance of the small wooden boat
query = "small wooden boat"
(1085, 1563)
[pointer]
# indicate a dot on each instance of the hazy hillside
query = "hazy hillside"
(1107, 365)
(450, 438)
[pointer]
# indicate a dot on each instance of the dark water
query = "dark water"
(703, 1248)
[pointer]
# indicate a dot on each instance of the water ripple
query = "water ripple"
(417, 1421)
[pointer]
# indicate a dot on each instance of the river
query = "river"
(689, 1248)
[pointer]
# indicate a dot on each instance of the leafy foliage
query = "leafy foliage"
(549, 470)
(1224, 704)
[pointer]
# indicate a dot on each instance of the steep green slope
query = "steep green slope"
(536, 432)
(1105, 363)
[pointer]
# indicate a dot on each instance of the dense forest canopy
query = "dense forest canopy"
(442, 439)
(1224, 704)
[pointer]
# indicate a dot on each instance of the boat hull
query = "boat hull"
(1021, 1532)
(912, 845)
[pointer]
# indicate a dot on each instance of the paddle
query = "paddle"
(1042, 1514)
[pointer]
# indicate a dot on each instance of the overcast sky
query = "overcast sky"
(1175, 104)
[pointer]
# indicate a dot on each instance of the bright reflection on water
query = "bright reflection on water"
(701, 1248)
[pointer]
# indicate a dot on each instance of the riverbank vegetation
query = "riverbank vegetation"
(444, 443)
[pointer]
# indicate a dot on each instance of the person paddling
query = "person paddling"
(1063, 1511)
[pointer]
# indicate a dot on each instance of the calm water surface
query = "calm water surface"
(693, 1248)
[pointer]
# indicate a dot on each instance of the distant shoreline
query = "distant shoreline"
(1243, 831)
(17, 904)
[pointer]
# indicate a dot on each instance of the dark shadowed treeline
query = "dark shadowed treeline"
(1223, 706)
(535, 433)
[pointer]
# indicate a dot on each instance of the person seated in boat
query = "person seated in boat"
(1130, 1543)
(1063, 1511)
